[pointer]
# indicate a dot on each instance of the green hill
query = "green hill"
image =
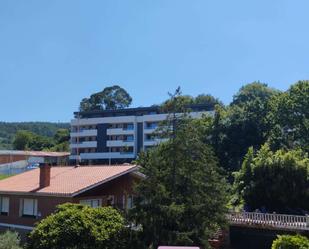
(8, 130)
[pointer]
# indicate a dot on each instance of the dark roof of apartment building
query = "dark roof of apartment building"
(137, 111)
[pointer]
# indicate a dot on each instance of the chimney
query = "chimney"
(44, 175)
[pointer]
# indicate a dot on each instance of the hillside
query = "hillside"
(8, 130)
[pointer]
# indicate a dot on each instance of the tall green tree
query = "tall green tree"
(183, 199)
(111, 98)
(242, 124)
(277, 181)
(289, 118)
(22, 140)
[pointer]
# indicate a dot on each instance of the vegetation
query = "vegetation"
(75, 226)
(291, 242)
(26, 140)
(111, 98)
(9, 240)
(8, 131)
(275, 181)
(4, 176)
(183, 200)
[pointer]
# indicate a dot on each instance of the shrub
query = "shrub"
(9, 240)
(75, 226)
(290, 242)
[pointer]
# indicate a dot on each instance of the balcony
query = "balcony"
(119, 143)
(86, 144)
(85, 133)
(104, 155)
(155, 141)
(119, 131)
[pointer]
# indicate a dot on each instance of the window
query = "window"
(129, 138)
(91, 203)
(4, 205)
(129, 202)
(29, 207)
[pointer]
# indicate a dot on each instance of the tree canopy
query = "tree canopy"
(275, 181)
(75, 226)
(110, 98)
(26, 140)
(242, 124)
(289, 118)
(183, 200)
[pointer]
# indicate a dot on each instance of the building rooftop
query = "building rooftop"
(64, 181)
(34, 153)
(136, 111)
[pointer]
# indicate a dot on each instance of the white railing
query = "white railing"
(293, 222)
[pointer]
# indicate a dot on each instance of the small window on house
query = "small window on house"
(91, 203)
(129, 202)
(29, 207)
(4, 205)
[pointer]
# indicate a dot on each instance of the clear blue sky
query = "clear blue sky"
(54, 53)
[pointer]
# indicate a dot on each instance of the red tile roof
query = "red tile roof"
(65, 181)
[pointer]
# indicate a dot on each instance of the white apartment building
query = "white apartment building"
(115, 136)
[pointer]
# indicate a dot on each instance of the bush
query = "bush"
(9, 240)
(290, 242)
(75, 226)
(277, 181)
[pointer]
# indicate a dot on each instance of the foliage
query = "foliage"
(9, 240)
(111, 98)
(183, 199)
(277, 181)
(289, 118)
(242, 124)
(26, 140)
(290, 242)
(207, 99)
(9, 130)
(76, 226)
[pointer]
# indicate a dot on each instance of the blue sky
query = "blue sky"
(54, 53)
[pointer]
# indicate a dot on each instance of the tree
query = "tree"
(75, 226)
(183, 199)
(111, 98)
(277, 181)
(22, 140)
(290, 242)
(10, 240)
(289, 118)
(242, 124)
(207, 99)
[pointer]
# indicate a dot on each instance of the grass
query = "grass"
(4, 176)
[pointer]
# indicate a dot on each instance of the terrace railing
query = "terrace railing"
(282, 221)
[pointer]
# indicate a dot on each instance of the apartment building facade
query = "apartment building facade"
(117, 136)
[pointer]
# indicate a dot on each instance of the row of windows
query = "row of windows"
(123, 202)
(27, 207)
(121, 138)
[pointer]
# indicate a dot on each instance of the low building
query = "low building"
(18, 161)
(31, 196)
(117, 136)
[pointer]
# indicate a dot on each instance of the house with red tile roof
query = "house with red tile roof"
(31, 196)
